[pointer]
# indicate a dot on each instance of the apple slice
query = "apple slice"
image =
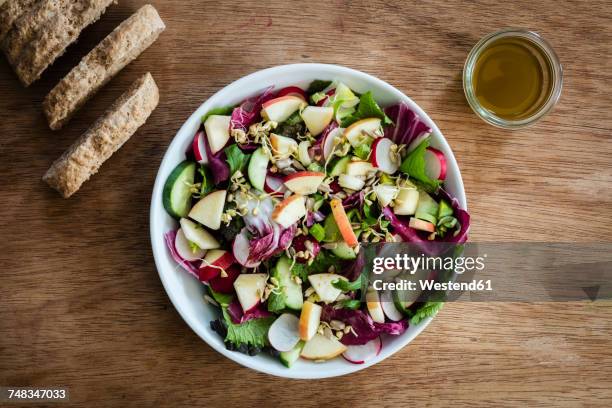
(209, 209)
(343, 223)
(241, 250)
(284, 333)
(279, 109)
(258, 168)
(388, 306)
(304, 182)
(214, 261)
(199, 148)
(282, 146)
(322, 284)
(374, 307)
(359, 168)
(435, 164)
(359, 131)
(385, 194)
(317, 118)
(292, 91)
(406, 201)
(303, 153)
(351, 182)
(359, 354)
(198, 235)
(217, 131)
(274, 185)
(383, 157)
(184, 249)
(309, 320)
(421, 225)
(330, 142)
(249, 289)
(321, 348)
(290, 210)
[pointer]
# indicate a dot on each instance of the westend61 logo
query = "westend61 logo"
(412, 264)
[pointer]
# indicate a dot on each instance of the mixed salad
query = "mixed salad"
(274, 201)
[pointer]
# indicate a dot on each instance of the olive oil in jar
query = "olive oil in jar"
(512, 78)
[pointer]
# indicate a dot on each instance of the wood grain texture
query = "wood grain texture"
(81, 304)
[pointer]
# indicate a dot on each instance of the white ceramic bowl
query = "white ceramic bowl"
(185, 292)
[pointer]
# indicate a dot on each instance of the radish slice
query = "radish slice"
(293, 91)
(284, 333)
(181, 243)
(274, 185)
(389, 308)
(199, 148)
(241, 250)
(417, 141)
(435, 164)
(328, 143)
(363, 353)
(382, 156)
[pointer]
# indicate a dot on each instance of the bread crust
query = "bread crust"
(110, 56)
(104, 137)
(54, 35)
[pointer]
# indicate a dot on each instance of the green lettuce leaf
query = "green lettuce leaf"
(414, 166)
(223, 299)
(368, 108)
(253, 332)
(429, 309)
(236, 158)
(317, 86)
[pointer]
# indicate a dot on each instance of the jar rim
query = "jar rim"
(549, 53)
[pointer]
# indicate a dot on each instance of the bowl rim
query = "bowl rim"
(336, 71)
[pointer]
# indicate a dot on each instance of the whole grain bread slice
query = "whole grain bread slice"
(57, 34)
(117, 50)
(11, 11)
(104, 137)
(27, 27)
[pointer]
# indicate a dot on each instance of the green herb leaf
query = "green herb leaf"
(224, 111)
(317, 232)
(368, 108)
(429, 309)
(253, 332)
(277, 302)
(300, 270)
(347, 286)
(414, 166)
(362, 151)
(317, 86)
(370, 215)
(223, 299)
(352, 304)
(322, 263)
(236, 159)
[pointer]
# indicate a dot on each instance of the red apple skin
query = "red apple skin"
(225, 285)
(293, 91)
(302, 174)
(206, 272)
(442, 160)
(275, 100)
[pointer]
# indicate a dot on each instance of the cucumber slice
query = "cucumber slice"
(343, 251)
(258, 168)
(177, 190)
(290, 289)
(291, 356)
(427, 208)
(339, 166)
(332, 233)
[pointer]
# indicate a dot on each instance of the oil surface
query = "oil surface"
(512, 78)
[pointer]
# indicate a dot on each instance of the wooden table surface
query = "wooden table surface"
(81, 304)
